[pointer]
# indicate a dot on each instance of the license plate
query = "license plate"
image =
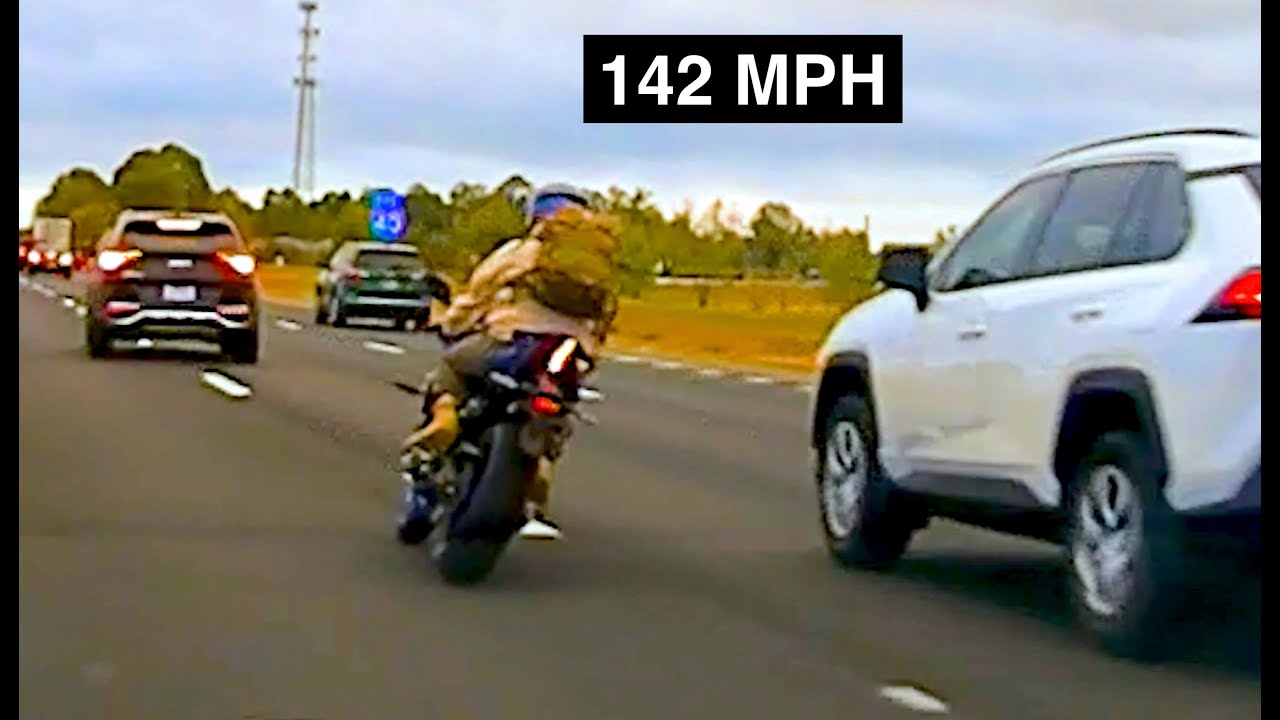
(179, 293)
(180, 263)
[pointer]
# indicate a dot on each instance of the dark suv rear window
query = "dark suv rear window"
(210, 237)
(1255, 176)
(387, 260)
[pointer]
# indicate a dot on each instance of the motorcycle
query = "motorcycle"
(473, 498)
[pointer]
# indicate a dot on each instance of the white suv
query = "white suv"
(1083, 366)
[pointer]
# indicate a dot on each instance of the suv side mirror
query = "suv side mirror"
(903, 269)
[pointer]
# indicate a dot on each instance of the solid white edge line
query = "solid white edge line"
(757, 380)
(667, 364)
(628, 359)
(711, 373)
(225, 385)
(382, 347)
(914, 699)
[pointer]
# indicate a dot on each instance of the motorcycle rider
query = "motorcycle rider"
(492, 311)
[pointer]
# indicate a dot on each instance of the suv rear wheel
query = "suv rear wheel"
(1124, 547)
(866, 522)
(241, 347)
(96, 340)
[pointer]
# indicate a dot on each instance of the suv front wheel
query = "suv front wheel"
(866, 522)
(1124, 547)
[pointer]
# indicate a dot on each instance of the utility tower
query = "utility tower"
(304, 145)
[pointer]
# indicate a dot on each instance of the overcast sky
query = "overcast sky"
(440, 91)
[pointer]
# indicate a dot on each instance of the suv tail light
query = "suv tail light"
(113, 260)
(1241, 299)
(242, 263)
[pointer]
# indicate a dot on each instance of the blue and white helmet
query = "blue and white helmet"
(547, 200)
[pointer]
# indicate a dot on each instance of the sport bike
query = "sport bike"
(473, 498)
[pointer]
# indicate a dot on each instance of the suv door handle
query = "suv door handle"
(973, 332)
(1087, 312)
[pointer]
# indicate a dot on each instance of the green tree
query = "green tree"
(847, 265)
(90, 222)
(481, 225)
(170, 177)
(776, 237)
(71, 191)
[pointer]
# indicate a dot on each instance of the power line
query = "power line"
(304, 135)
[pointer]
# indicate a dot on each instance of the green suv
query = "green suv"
(375, 280)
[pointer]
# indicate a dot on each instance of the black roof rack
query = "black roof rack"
(1220, 132)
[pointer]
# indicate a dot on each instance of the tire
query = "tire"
(468, 562)
(241, 348)
(322, 317)
(482, 525)
(869, 525)
(97, 340)
(1131, 623)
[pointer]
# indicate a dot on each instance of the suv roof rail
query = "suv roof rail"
(1219, 132)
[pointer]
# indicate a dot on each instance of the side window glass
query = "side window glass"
(1090, 218)
(995, 247)
(1158, 228)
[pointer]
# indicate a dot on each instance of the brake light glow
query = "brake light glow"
(112, 260)
(35, 256)
(1241, 299)
(544, 405)
(116, 308)
(65, 259)
(241, 263)
(233, 309)
(22, 251)
(560, 358)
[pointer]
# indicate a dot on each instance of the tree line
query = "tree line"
(456, 228)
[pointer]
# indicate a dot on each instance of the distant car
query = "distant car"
(1082, 366)
(374, 280)
(168, 275)
(24, 255)
(42, 259)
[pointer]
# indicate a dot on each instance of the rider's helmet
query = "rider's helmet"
(547, 200)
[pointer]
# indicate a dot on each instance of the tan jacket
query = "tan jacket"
(493, 303)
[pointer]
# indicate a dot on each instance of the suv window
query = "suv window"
(210, 237)
(1158, 226)
(388, 260)
(1091, 216)
(995, 248)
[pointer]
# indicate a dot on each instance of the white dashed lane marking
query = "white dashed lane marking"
(287, 325)
(382, 347)
(667, 365)
(914, 699)
(226, 385)
(757, 380)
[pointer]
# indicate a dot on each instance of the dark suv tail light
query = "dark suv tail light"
(241, 263)
(113, 260)
(1241, 299)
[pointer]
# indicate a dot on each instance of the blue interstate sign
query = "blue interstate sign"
(387, 218)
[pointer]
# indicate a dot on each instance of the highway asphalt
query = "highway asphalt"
(183, 553)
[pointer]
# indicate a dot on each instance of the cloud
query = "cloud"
(442, 92)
